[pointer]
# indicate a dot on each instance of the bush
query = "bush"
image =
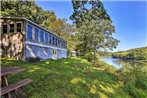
(134, 77)
(90, 56)
(32, 59)
(136, 92)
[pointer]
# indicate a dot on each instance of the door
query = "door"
(54, 54)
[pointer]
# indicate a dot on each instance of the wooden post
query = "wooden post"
(5, 83)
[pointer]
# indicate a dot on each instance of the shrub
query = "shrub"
(134, 77)
(90, 56)
(32, 59)
(136, 92)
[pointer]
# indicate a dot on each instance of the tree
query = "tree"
(93, 26)
(29, 10)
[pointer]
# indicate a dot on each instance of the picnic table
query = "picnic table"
(5, 87)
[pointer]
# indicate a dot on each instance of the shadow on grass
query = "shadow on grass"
(70, 78)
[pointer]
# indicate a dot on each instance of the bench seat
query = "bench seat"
(12, 87)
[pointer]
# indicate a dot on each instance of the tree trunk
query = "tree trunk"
(94, 55)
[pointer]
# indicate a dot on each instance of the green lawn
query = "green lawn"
(67, 78)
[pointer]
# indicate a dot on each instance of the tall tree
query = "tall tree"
(94, 27)
(27, 9)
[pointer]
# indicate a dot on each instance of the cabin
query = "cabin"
(23, 39)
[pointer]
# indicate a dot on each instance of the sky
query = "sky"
(129, 19)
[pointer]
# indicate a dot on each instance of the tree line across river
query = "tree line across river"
(132, 54)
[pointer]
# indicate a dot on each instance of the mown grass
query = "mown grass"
(66, 78)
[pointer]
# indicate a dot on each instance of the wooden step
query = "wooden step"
(12, 87)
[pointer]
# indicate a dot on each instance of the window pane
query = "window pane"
(65, 44)
(49, 38)
(36, 34)
(42, 36)
(4, 28)
(11, 27)
(46, 38)
(18, 27)
(53, 40)
(29, 32)
(56, 41)
(60, 43)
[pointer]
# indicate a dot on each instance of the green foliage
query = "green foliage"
(134, 54)
(134, 75)
(89, 56)
(135, 92)
(66, 78)
(19, 8)
(93, 27)
(135, 79)
(104, 54)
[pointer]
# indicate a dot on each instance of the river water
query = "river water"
(112, 61)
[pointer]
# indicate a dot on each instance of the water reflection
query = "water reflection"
(118, 63)
(113, 61)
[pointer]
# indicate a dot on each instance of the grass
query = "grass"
(66, 78)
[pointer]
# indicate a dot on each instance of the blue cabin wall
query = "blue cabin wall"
(41, 48)
(43, 52)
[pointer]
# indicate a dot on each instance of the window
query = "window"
(18, 27)
(59, 42)
(54, 51)
(11, 27)
(46, 38)
(42, 36)
(56, 42)
(53, 40)
(5, 28)
(36, 34)
(50, 39)
(29, 32)
(63, 44)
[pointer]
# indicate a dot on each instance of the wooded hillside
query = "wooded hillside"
(135, 54)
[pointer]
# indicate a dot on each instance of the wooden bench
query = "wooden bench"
(5, 87)
(14, 86)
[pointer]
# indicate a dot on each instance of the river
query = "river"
(112, 61)
(118, 63)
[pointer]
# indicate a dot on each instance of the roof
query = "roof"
(22, 18)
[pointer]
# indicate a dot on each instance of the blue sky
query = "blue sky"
(129, 19)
